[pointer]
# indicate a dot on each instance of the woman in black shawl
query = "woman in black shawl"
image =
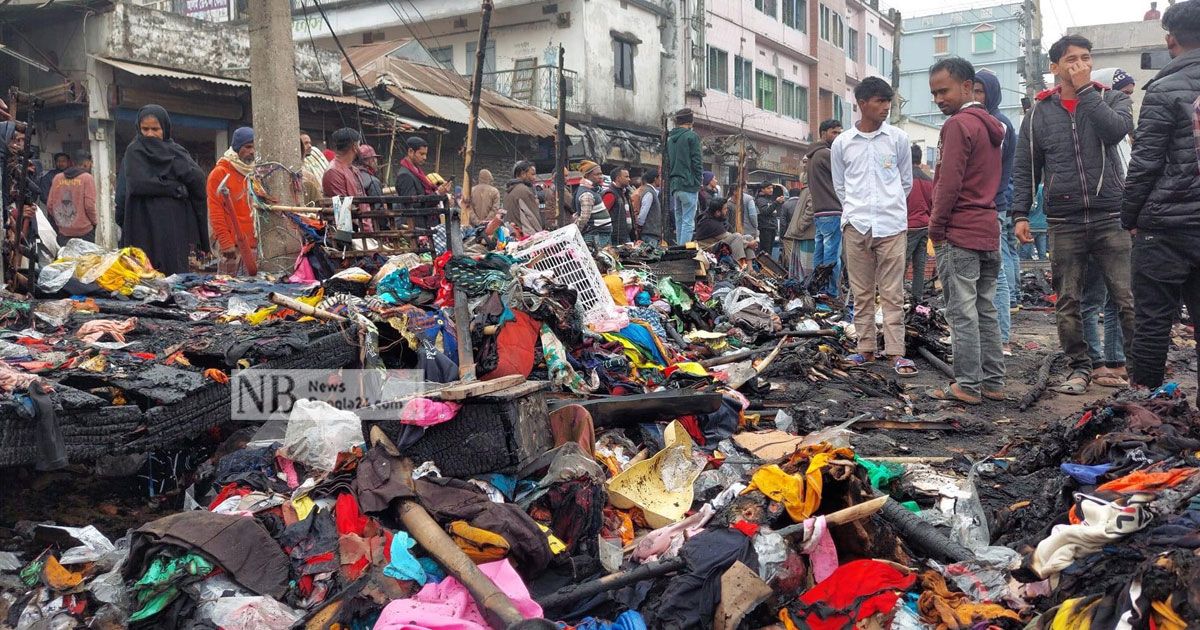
(161, 205)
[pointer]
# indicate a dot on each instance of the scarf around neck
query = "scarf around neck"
(415, 170)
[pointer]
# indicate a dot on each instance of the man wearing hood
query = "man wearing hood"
(827, 207)
(485, 198)
(685, 165)
(520, 200)
(236, 170)
(987, 93)
(1162, 199)
(72, 201)
(1069, 140)
(966, 233)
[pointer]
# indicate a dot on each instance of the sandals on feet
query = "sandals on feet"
(954, 393)
(1105, 377)
(904, 368)
(1076, 385)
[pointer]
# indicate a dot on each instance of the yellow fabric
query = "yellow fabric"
(480, 545)
(556, 545)
(1165, 617)
(119, 271)
(616, 286)
(786, 618)
(691, 368)
(303, 506)
(1072, 616)
(801, 495)
(632, 352)
(943, 609)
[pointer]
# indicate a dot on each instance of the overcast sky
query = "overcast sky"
(1057, 15)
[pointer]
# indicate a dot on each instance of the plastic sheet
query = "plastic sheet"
(317, 432)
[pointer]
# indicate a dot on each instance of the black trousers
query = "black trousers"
(1166, 273)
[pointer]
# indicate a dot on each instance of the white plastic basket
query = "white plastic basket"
(564, 254)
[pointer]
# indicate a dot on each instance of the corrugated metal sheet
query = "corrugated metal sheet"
(143, 70)
(444, 94)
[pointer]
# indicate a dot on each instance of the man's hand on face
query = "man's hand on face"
(1079, 75)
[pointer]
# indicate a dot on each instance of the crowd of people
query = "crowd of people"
(1114, 209)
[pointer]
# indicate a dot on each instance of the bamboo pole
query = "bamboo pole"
(577, 592)
(560, 137)
(462, 315)
(302, 308)
(741, 185)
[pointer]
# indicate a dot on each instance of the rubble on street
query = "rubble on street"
(680, 448)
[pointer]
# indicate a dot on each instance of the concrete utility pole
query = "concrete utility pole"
(276, 124)
(1032, 20)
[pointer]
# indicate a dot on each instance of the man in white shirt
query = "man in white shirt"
(872, 175)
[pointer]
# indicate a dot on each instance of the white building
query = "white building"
(622, 57)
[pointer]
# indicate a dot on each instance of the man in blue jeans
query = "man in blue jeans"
(685, 166)
(987, 92)
(827, 208)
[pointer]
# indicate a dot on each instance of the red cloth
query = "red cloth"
(517, 341)
(746, 527)
(1070, 104)
(350, 519)
(877, 582)
(967, 178)
(229, 490)
(920, 201)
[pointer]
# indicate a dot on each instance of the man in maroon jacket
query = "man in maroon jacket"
(920, 201)
(965, 232)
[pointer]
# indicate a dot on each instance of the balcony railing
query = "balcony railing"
(536, 86)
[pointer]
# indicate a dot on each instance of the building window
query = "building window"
(795, 14)
(764, 97)
(766, 6)
(852, 45)
(941, 44)
(743, 78)
(718, 69)
(370, 37)
(489, 63)
(793, 100)
(885, 61)
(983, 39)
(623, 63)
(837, 108)
(833, 30)
(872, 46)
(444, 56)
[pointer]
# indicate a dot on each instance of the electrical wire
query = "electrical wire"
(313, 43)
(338, 41)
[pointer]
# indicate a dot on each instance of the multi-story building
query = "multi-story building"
(622, 58)
(989, 37)
(774, 69)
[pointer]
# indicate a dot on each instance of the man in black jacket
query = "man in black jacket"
(1162, 197)
(1069, 141)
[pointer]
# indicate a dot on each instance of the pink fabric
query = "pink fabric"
(288, 468)
(819, 547)
(424, 412)
(96, 329)
(448, 605)
(303, 273)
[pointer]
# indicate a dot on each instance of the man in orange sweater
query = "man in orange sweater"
(235, 169)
